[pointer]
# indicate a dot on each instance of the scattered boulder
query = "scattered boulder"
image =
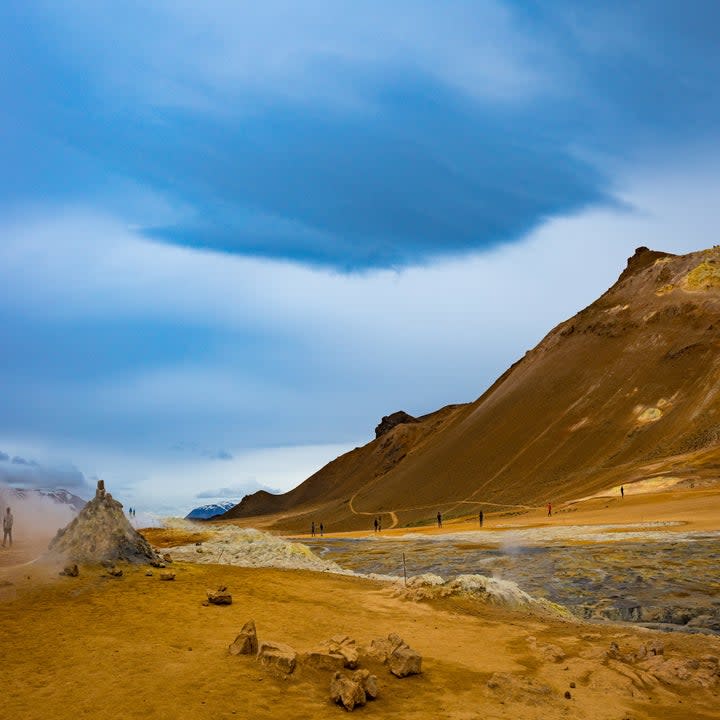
(167, 558)
(246, 643)
(220, 596)
(323, 659)
(157, 563)
(368, 683)
(405, 661)
(278, 657)
(347, 692)
(70, 571)
(149, 573)
(167, 575)
(381, 649)
(396, 654)
(115, 572)
(340, 651)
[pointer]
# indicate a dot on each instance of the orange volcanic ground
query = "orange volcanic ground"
(137, 647)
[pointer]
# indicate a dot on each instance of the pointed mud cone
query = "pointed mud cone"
(101, 532)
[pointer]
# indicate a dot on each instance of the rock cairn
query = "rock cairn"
(101, 533)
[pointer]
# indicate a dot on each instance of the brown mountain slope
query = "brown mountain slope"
(627, 389)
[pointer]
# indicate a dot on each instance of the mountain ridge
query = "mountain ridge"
(623, 389)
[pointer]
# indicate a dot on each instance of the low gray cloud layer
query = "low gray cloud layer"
(22, 473)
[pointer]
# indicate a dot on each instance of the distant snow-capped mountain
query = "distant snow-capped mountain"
(207, 511)
(57, 495)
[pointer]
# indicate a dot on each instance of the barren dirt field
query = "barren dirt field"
(137, 647)
(134, 646)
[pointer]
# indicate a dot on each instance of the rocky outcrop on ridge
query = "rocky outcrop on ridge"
(101, 533)
(390, 421)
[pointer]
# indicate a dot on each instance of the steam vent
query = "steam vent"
(101, 532)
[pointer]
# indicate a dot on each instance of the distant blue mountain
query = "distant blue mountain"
(207, 511)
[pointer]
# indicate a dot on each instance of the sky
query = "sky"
(234, 235)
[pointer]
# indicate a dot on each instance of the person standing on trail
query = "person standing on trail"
(312, 528)
(481, 517)
(376, 524)
(322, 529)
(622, 491)
(8, 520)
(549, 509)
(439, 520)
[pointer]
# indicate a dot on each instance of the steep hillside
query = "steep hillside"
(627, 389)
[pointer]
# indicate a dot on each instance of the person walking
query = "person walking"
(8, 521)
(622, 491)
(439, 519)
(322, 529)
(312, 529)
(549, 509)
(481, 517)
(376, 524)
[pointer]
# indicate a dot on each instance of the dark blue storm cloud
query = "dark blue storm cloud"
(421, 166)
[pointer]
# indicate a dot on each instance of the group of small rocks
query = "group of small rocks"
(112, 570)
(350, 685)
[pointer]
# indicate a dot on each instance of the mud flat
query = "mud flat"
(646, 575)
(136, 647)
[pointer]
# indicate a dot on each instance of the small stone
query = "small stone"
(167, 575)
(246, 642)
(219, 596)
(572, 685)
(381, 649)
(277, 656)
(568, 696)
(655, 647)
(115, 572)
(70, 571)
(405, 661)
(167, 558)
(367, 682)
(149, 573)
(346, 692)
(338, 648)
(322, 659)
